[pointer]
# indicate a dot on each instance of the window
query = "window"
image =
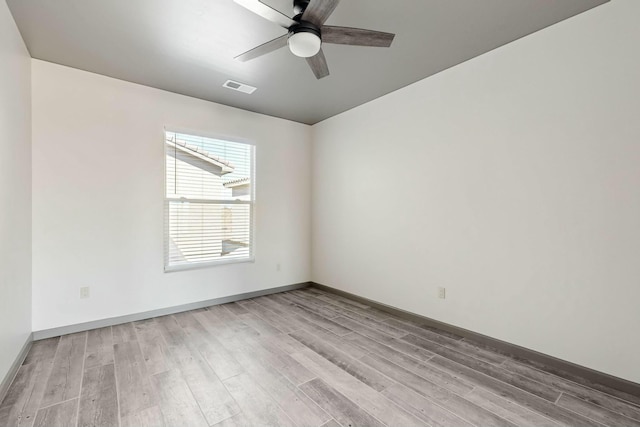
(208, 201)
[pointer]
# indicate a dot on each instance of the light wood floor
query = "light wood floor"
(305, 358)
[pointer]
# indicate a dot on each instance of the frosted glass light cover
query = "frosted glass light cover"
(304, 45)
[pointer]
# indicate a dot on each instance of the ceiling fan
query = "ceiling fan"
(307, 32)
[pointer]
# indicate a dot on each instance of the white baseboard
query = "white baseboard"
(80, 327)
(8, 379)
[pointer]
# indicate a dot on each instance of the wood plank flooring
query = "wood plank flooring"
(300, 358)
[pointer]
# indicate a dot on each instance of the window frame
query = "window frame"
(166, 221)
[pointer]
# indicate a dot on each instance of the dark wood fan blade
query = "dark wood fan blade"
(356, 36)
(319, 11)
(318, 64)
(267, 12)
(263, 49)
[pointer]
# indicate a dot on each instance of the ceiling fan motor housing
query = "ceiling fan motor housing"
(304, 27)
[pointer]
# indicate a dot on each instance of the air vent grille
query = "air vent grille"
(240, 87)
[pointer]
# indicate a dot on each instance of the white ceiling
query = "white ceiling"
(188, 46)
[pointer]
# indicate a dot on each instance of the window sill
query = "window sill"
(201, 265)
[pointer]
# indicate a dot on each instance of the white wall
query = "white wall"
(513, 180)
(15, 191)
(98, 170)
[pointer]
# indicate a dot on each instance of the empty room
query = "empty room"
(319, 213)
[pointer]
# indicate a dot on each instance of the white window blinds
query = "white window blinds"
(208, 201)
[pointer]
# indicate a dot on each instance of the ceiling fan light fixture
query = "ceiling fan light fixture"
(304, 44)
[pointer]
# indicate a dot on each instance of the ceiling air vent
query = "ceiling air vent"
(230, 84)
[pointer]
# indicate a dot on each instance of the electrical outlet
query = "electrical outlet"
(442, 292)
(278, 267)
(84, 292)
